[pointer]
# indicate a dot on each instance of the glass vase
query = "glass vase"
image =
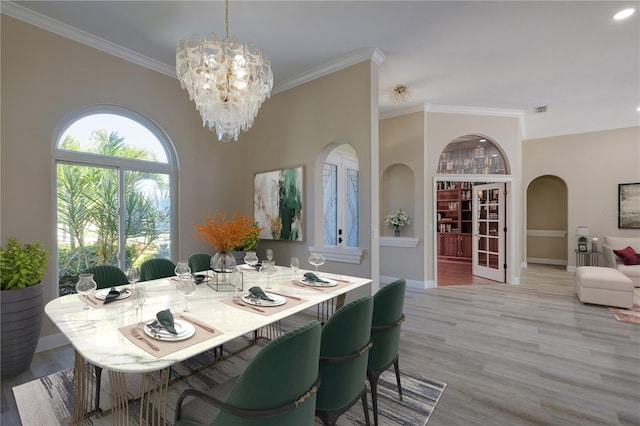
(223, 264)
(396, 230)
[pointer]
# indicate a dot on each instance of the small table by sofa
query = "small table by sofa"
(587, 258)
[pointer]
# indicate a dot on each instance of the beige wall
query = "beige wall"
(592, 165)
(299, 127)
(45, 77)
(402, 186)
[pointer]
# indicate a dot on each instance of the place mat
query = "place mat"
(168, 347)
(341, 283)
(266, 310)
(94, 302)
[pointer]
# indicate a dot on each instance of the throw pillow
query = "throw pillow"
(628, 256)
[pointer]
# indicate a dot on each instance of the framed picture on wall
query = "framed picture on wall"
(278, 204)
(629, 205)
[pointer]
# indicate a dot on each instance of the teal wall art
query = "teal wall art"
(277, 204)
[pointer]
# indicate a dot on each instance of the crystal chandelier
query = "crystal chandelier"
(228, 81)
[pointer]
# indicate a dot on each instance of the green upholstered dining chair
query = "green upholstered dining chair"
(107, 276)
(343, 361)
(278, 387)
(199, 262)
(154, 269)
(388, 304)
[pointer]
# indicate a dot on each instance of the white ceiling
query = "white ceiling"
(476, 55)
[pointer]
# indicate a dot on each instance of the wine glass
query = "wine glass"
(316, 259)
(251, 259)
(269, 269)
(133, 276)
(269, 255)
(186, 288)
(295, 265)
(138, 297)
(85, 286)
(183, 271)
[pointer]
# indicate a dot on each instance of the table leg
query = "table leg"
(83, 389)
(153, 401)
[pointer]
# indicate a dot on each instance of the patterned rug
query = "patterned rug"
(48, 400)
(629, 315)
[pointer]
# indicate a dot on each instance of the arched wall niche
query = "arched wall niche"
(397, 191)
(473, 154)
(547, 220)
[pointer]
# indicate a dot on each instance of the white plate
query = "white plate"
(277, 300)
(184, 329)
(330, 283)
(102, 293)
(247, 267)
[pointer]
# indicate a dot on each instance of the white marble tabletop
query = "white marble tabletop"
(94, 332)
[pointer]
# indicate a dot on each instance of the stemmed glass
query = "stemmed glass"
(316, 259)
(269, 255)
(85, 286)
(183, 271)
(269, 269)
(295, 265)
(133, 275)
(138, 297)
(186, 288)
(251, 259)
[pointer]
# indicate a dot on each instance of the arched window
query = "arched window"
(472, 154)
(114, 174)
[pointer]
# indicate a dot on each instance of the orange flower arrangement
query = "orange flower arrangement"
(227, 235)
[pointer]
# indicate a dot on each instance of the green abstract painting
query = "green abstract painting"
(277, 204)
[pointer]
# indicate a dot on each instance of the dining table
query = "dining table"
(117, 338)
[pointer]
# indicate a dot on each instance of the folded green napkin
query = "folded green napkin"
(112, 295)
(310, 276)
(259, 294)
(166, 318)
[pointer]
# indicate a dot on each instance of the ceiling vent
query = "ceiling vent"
(540, 109)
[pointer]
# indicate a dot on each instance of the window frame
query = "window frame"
(120, 164)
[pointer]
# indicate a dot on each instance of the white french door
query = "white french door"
(488, 254)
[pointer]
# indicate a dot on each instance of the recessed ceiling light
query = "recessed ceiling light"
(482, 140)
(638, 109)
(624, 14)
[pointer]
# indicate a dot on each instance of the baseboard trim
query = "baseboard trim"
(52, 341)
(544, 261)
(410, 283)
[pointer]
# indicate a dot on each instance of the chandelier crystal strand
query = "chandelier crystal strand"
(228, 81)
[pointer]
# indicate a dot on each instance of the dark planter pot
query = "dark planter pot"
(21, 321)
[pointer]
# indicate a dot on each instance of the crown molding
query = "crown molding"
(402, 111)
(453, 109)
(365, 54)
(18, 12)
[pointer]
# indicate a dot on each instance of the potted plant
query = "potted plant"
(239, 233)
(22, 268)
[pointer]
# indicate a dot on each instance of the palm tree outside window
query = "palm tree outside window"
(114, 173)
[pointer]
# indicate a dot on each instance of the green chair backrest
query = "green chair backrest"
(346, 332)
(153, 269)
(281, 372)
(388, 305)
(199, 262)
(107, 276)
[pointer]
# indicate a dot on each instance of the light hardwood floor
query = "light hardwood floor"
(528, 354)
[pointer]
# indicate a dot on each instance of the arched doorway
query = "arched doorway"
(547, 221)
(471, 212)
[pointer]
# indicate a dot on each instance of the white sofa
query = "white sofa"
(612, 261)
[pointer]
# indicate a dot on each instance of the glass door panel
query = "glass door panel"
(488, 222)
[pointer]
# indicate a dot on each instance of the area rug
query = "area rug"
(48, 400)
(629, 315)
